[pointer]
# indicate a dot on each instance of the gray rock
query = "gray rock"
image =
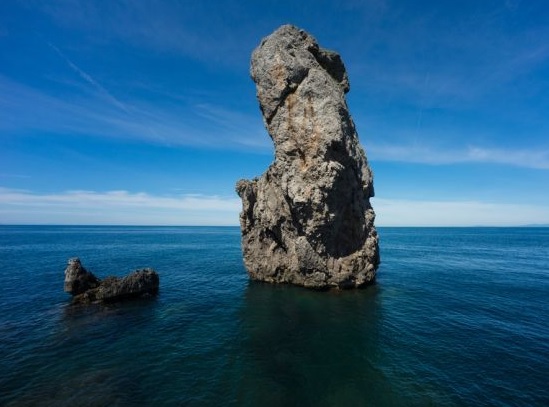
(86, 288)
(77, 278)
(308, 220)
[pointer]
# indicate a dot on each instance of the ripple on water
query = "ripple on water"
(450, 322)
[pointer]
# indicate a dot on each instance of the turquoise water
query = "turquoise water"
(458, 317)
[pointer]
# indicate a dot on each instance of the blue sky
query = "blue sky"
(143, 112)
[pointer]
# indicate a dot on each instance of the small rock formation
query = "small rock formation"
(86, 288)
(308, 220)
(77, 279)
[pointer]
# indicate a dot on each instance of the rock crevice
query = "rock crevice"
(308, 220)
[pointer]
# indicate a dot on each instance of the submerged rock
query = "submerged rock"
(86, 288)
(308, 220)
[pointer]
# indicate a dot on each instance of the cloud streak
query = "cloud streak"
(90, 80)
(526, 158)
(126, 208)
(397, 212)
(207, 125)
(194, 124)
(116, 207)
(163, 26)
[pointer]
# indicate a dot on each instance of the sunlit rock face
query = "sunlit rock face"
(308, 220)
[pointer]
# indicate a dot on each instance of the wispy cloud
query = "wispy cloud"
(123, 207)
(116, 207)
(527, 158)
(396, 212)
(195, 124)
(173, 27)
(471, 55)
(90, 80)
(240, 127)
(523, 158)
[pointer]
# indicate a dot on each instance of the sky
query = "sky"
(143, 112)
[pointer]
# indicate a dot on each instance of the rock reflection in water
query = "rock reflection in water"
(311, 348)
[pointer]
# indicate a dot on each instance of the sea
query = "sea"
(457, 317)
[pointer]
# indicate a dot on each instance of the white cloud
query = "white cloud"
(125, 208)
(116, 207)
(399, 212)
(528, 158)
(199, 124)
(520, 157)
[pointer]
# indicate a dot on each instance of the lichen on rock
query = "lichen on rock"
(308, 219)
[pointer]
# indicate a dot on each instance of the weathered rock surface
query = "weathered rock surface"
(86, 288)
(308, 220)
(78, 279)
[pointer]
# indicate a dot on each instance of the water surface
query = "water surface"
(458, 317)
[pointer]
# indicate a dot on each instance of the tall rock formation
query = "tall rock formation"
(308, 220)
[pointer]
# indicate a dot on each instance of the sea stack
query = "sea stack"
(86, 288)
(308, 219)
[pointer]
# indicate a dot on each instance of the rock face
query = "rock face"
(86, 288)
(77, 278)
(308, 220)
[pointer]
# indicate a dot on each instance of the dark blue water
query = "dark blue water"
(458, 317)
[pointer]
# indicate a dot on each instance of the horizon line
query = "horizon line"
(541, 225)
